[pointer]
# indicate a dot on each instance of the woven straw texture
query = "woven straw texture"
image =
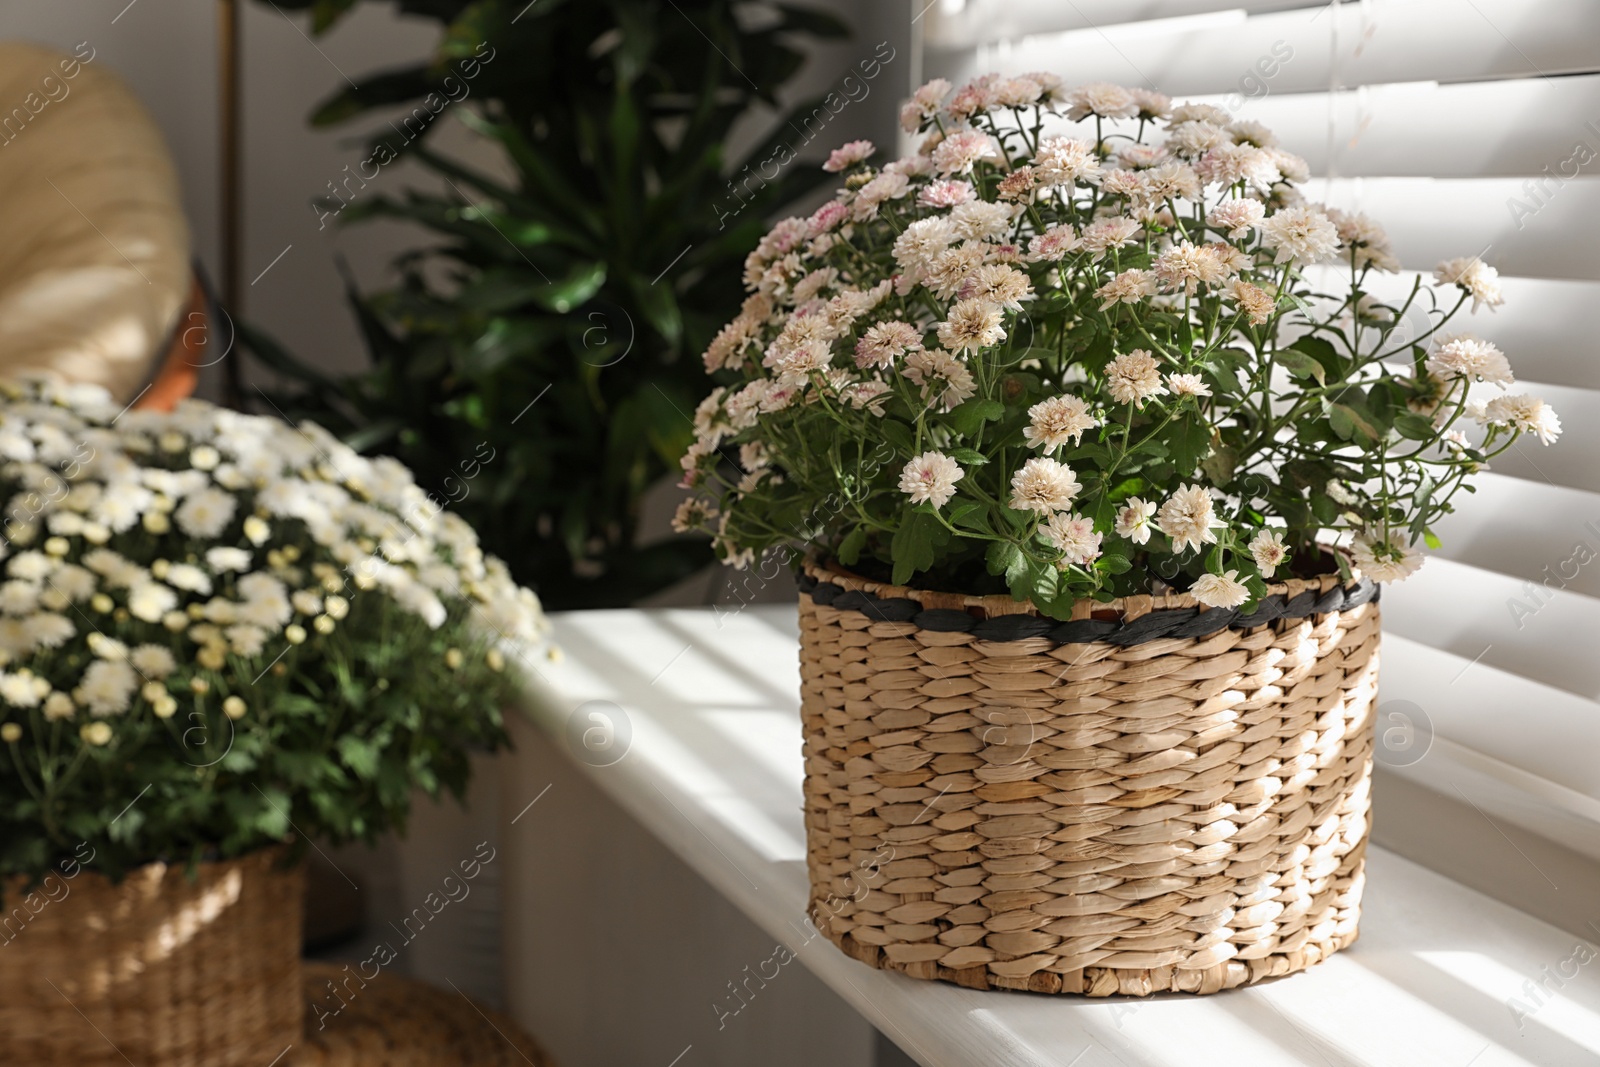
(393, 1022)
(158, 970)
(1182, 814)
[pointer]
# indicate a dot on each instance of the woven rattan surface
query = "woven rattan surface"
(1179, 814)
(394, 1022)
(158, 970)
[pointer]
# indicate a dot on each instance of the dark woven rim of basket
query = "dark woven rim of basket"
(1164, 622)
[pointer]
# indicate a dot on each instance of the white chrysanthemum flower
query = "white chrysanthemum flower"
(31, 566)
(152, 661)
(999, 284)
(1220, 590)
(204, 515)
(1075, 536)
(188, 577)
(1133, 520)
(121, 505)
(1188, 518)
(1477, 278)
(980, 220)
(227, 559)
(1300, 233)
(1099, 237)
(1053, 244)
(1528, 414)
(246, 640)
(1058, 420)
(1468, 357)
(22, 689)
(106, 688)
(1043, 485)
(1188, 385)
(1385, 561)
(106, 647)
(931, 477)
(19, 598)
(1269, 551)
(149, 600)
(1134, 377)
(1256, 303)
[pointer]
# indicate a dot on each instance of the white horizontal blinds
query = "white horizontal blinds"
(1433, 116)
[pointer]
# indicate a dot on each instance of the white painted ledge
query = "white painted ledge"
(713, 769)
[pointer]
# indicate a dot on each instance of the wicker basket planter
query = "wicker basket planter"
(1152, 797)
(158, 970)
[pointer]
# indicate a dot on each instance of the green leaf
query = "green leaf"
(1190, 440)
(1351, 424)
(912, 546)
(967, 418)
(969, 456)
(1416, 427)
(1112, 563)
(850, 548)
(1300, 365)
(967, 510)
(360, 755)
(1430, 539)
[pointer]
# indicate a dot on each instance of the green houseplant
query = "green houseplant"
(537, 366)
(1094, 477)
(218, 634)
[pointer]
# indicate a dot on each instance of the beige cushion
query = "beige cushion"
(94, 249)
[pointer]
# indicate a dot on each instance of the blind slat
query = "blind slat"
(1491, 618)
(1492, 531)
(1394, 41)
(964, 25)
(1480, 129)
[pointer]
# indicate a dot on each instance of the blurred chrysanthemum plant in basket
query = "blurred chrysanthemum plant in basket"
(1092, 365)
(218, 631)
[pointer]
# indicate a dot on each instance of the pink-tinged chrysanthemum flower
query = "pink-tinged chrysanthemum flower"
(1528, 414)
(1143, 156)
(931, 478)
(890, 185)
(945, 194)
(1016, 92)
(1384, 561)
(1475, 276)
(998, 284)
(1300, 233)
(1054, 422)
(868, 396)
(1134, 377)
(1098, 237)
(1468, 357)
(1129, 287)
(1269, 552)
(923, 105)
(1053, 244)
(1247, 131)
(1191, 140)
(827, 218)
(958, 153)
(1133, 520)
(1043, 485)
(1103, 99)
(1064, 161)
(1188, 385)
(1075, 536)
(1254, 301)
(693, 514)
(944, 379)
(848, 155)
(951, 268)
(881, 344)
(1151, 104)
(1236, 217)
(1229, 163)
(1019, 185)
(1184, 267)
(1188, 518)
(973, 97)
(1220, 590)
(972, 324)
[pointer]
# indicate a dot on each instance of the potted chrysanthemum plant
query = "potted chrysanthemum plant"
(222, 639)
(1093, 441)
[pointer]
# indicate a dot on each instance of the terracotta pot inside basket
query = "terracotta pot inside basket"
(1177, 799)
(159, 970)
